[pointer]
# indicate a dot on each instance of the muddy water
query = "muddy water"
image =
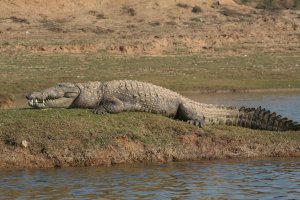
(233, 179)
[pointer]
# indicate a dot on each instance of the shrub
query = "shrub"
(128, 10)
(100, 16)
(51, 25)
(19, 20)
(96, 14)
(196, 9)
(155, 23)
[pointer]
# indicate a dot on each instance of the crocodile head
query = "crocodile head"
(62, 95)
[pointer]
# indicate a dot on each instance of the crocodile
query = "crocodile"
(130, 95)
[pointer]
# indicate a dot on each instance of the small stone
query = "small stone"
(24, 143)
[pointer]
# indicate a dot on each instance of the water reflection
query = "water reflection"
(238, 179)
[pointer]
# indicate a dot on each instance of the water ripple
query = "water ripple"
(235, 179)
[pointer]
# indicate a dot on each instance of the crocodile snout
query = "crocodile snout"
(34, 95)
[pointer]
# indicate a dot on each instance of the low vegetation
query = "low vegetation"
(23, 73)
(51, 25)
(196, 9)
(7, 101)
(19, 20)
(128, 10)
(97, 14)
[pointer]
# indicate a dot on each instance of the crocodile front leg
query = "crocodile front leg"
(109, 105)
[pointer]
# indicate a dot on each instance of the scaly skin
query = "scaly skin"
(127, 95)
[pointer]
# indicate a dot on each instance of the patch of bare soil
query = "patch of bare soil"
(7, 101)
(145, 27)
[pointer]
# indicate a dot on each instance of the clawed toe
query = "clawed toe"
(98, 111)
(198, 123)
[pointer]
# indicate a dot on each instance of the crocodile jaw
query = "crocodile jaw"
(62, 95)
(61, 102)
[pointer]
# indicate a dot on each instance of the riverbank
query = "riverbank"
(71, 138)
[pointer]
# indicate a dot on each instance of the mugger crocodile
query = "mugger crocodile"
(129, 95)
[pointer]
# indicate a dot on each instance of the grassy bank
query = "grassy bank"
(76, 137)
(26, 72)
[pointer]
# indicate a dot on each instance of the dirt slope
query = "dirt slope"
(145, 27)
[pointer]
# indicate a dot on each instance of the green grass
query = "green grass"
(23, 73)
(41, 127)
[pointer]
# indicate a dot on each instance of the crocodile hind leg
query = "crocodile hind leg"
(109, 105)
(188, 114)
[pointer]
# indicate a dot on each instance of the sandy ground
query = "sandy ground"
(149, 27)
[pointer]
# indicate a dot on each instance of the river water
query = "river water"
(218, 179)
(231, 179)
(284, 103)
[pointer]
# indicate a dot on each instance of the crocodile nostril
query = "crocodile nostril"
(28, 96)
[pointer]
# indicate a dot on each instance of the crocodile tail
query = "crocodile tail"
(260, 118)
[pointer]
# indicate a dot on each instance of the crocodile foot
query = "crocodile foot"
(99, 110)
(197, 122)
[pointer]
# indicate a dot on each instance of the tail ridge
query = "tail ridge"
(260, 118)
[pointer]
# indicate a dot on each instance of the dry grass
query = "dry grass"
(233, 13)
(51, 25)
(7, 101)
